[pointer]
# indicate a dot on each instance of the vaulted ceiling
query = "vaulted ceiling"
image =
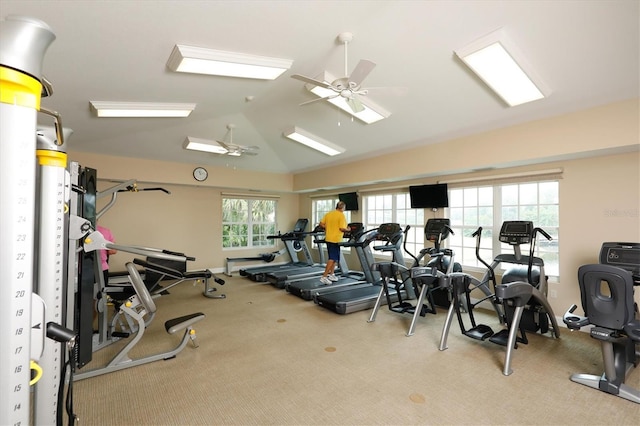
(587, 53)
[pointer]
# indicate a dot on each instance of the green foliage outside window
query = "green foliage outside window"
(247, 222)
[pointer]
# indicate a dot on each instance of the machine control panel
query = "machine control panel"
(436, 228)
(622, 255)
(516, 232)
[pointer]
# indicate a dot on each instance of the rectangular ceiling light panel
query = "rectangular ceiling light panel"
(205, 145)
(199, 60)
(371, 113)
(503, 68)
(312, 141)
(141, 109)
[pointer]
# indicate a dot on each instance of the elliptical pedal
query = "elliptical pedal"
(401, 307)
(479, 332)
(501, 338)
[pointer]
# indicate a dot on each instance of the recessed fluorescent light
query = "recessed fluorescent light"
(498, 62)
(141, 109)
(312, 141)
(199, 60)
(371, 112)
(205, 145)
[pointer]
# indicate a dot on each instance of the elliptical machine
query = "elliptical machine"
(424, 279)
(520, 300)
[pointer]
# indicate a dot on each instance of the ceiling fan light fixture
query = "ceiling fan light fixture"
(140, 109)
(500, 64)
(371, 113)
(199, 60)
(312, 141)
(204, 145)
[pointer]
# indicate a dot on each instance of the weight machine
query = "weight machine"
(48, 253)
(31, 293)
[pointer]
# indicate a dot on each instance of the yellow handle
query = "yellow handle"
(38, 369)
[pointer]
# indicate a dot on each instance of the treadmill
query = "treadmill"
(294, 243)
(361, 297)
(306, 288)
(281, 276)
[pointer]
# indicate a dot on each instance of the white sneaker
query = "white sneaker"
(325, 280)
(333, 277)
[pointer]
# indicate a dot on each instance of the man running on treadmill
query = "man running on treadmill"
(335, 225)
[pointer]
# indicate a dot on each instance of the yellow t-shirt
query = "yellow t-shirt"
(333, 221)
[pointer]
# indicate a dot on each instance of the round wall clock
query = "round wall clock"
(200, 174)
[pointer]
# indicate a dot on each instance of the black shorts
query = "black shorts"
(334, 251)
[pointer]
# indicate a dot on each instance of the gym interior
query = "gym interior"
(263, 356)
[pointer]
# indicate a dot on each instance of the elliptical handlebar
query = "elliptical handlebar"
(477, 232)
(416, 262)
(532, 249)
(543, 232)
(492, 275)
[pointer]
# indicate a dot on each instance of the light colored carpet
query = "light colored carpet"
(269, 358)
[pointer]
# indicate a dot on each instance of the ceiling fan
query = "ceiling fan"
(234, 150)
(349, 87)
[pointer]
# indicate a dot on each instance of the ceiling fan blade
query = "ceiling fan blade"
(225, 146)
(361, 71)
(355, 104)
(312, 81)
(318, 99)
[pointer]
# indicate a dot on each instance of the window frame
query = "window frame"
(493, 207)
(490, 245)
(268, 227)
(401, 213)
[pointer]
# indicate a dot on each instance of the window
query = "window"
(246, 223)
(396, 208)
(489, 206)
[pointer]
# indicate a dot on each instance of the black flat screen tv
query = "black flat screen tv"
(350, 199)
(433, 196)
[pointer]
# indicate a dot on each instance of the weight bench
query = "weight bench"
(156, 272)
(138, 307)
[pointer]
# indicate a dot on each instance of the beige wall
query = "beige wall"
(599, 191)
(189, 220)
(607, 129)
(153, 171)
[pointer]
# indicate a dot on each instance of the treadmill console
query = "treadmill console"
(388, 230)
(516, 232)
(300, 225)
(622, 255)
(355, 230)
(435, 227)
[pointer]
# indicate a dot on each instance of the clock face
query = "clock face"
(200, 174)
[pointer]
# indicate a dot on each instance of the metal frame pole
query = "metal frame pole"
(20, 95)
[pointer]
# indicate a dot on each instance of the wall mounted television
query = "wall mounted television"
(350, 199)
(433, 196)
